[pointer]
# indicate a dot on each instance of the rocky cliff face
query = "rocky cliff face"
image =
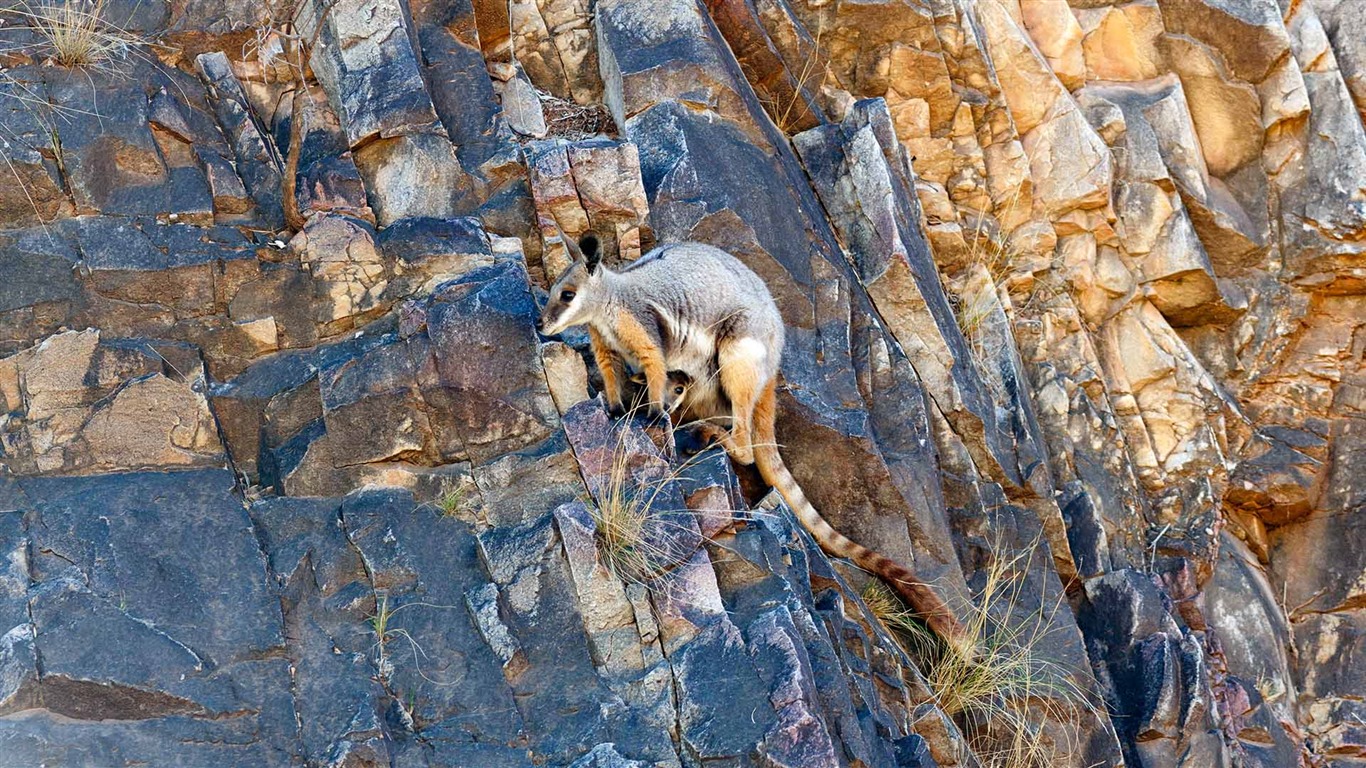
(1076, 304)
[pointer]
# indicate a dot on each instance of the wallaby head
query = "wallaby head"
(676, 391)
(578, 293)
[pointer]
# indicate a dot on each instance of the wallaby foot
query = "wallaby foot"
(700, 437)
(740, 454)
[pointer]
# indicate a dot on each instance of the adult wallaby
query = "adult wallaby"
(696, 310)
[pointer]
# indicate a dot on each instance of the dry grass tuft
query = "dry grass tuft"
(76, 34)
(626, 519)
(995, 682)
(640, 536)
(794, 111)
(888, 608)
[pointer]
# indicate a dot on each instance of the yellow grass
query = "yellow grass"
(77, 34)
(995, 681)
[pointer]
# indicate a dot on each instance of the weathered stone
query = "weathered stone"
(1324, 190)
(864, 182)
(265, 405)
(1254, 637)
(554, 40)
(1277, 473)
(449, 34)
(77, 404)
(325, 596)
(1250, 36)
(521, 106)
(431, 660)
(339, 254)
(33, 192)
(204, 686)
(566, 374)
(413, 175)
(607, 180)
(1069, 162)
(487, 315)
(785, 92)
(42, 286)
(1161, 696)
(366, 62)
(1120, 42)
(1056, 33)
(258, 162)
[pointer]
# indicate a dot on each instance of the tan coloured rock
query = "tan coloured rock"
(553, 40)
(588, 185)
(340, 255)
(607, 179)
(1160, 144)
(1171, 413)
(1070, 164)
(1226, 111)
(1249, 36)
(1345, 23)
(1030, 87)
(521, 105)
(566, 374)
(79, 405)
(417, 175)
(1120, 42)
(152, 422)
(1058, 36)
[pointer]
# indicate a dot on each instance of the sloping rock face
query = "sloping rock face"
(1075, 296)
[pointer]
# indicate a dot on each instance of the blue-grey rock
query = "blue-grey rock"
(153, 648)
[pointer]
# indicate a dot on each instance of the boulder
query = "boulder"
(156, 649)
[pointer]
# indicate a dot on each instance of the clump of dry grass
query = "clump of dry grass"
(639, 536)
(994, 681)
(569, 120)
(627, 521)
(794, 111)
(77, 34)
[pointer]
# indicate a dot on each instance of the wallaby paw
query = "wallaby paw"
(743, 456)
(616, 411)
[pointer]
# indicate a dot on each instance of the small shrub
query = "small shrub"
(624, 518)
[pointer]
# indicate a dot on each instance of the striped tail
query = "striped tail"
(917, 594)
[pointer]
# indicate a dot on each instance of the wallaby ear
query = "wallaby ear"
(570, 245)
(588, 248)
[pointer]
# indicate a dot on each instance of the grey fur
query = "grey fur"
(693, 298)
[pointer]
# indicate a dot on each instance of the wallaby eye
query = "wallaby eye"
(566, 295)
(678, 390)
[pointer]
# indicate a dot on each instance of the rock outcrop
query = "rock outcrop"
(1075, 296)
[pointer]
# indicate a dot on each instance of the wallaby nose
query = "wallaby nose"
(540, 325)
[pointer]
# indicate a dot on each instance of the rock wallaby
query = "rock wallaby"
(696, 310)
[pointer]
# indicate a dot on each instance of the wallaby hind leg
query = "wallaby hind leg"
(765, 417)
(740, 362)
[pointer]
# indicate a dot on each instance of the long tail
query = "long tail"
(917, 594)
